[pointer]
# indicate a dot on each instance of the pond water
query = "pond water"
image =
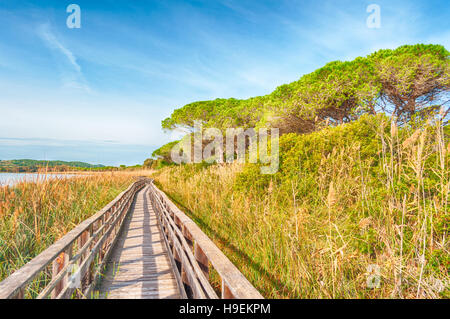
(13, 178)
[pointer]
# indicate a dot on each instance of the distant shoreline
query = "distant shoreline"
(31, 177)
(54, 172)
(76, 172)
(80, 172)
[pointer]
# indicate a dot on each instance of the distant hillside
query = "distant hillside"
(28, 165)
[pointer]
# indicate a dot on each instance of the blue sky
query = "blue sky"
(99, 93)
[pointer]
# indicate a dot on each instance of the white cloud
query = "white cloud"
(72, 78)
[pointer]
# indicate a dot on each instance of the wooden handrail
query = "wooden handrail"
(234, 284)
(189, 269)
(60, 255)
(89, 245)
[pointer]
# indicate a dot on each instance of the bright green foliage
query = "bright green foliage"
(412, 77)
(357, 190)
(402, 82)
(307, 153)
(209, 113)
(151, 163)
(148, 163)
(338, 92)
(28, 165)
(362, 193)
(164, 151)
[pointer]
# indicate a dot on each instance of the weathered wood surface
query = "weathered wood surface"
(193, 278)
(139, 266)
(15, 285)
(234, 284)
(139, 246)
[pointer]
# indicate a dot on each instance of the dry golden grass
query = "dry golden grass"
(34, 215)
(327, 235)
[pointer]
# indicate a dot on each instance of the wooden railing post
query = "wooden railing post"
(202, 260)
(81, 241)
(94, 237)
(20, 294)
(89, 273)
(58, 264)
(188, 237)
(226, 292)
(234, 284)
(116, 226)
(185, 280)
(176, 257)
(68, 253)
(108, 239)
(167, 233)
(56, 267)
(59, 254)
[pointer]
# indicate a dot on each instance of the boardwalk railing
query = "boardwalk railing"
(195, 254)
(73, 264)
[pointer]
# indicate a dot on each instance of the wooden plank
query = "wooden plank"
(111, 236)
(142, 249)
(235, 282)
(17, 281)
(139, 266)
(190, 270)
(201, 259)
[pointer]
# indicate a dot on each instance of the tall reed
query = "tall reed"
(355, 226)
(33, 215)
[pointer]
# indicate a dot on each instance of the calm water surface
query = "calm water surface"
(13, 178)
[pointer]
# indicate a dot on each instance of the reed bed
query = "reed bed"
(353, 227)
(33, 215)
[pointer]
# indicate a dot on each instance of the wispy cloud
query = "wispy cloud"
(134, 62)
(73, 77)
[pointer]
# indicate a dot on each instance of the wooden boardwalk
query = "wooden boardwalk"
(140, 245)
(139, 266)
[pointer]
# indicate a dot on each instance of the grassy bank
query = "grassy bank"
(349, 203)
(34, 215)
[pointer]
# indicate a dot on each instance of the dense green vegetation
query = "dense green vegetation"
(28, 165)
(161, 157)
(363, 180)
(344, 199)
(412, 80)
(110, 168)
